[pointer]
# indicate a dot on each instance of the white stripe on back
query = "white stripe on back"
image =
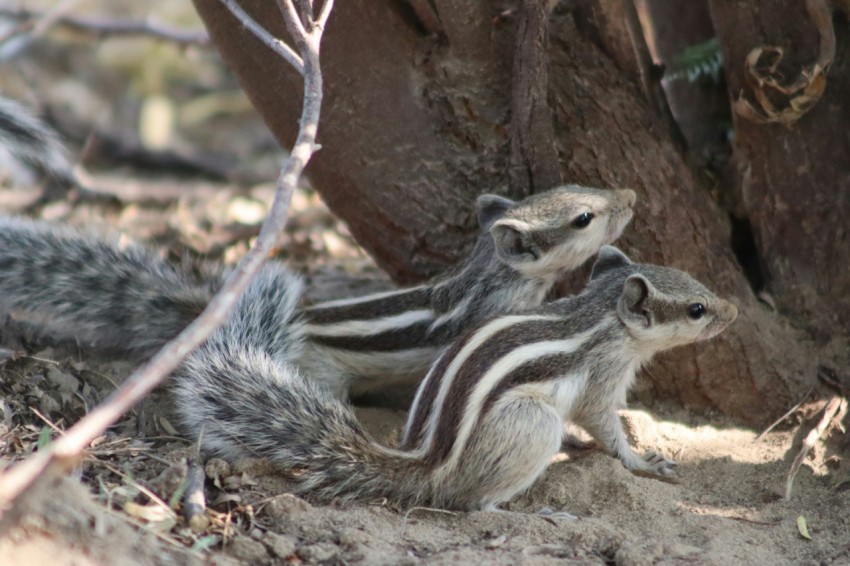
(498, 371)
(478, 338)
(459, 310)
(370, 326)
(363, 299)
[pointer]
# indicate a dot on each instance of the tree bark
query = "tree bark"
(534, 158)
(416, 127)
(794, 179)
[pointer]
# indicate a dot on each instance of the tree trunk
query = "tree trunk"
(416, 126)
(794, 179)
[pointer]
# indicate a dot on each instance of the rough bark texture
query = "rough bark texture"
(604, 23)
(794, 181)
(415, 128)
(534, 159)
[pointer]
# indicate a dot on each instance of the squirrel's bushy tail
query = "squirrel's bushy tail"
(28, 140)
(79, 287)
(244, 400)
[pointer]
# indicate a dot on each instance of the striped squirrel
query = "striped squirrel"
(128, 299)
(488, 417)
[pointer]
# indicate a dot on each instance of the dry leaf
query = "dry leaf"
(801, 526)
(158, 518)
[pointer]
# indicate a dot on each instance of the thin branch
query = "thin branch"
(293, 22)
(53, 15)
(104, 26)
(305, 10)
(38, 27)
(66, 451)
(273, 43)
(835, 411)
(322, 20)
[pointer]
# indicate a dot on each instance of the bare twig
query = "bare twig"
(105, 26)
(785, 416)
(47, 421)
(834, 412)
(67, 450)
(268, 39)
(51, 16)
(294, 25)
(305, 13)
(324, 13)
(30, 31)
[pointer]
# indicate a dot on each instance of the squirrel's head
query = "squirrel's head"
(556, 230)
(661, 307)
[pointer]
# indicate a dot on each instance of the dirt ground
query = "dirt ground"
(122, 504)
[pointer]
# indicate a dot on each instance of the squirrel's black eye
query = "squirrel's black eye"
(696, 310)
(582, 220)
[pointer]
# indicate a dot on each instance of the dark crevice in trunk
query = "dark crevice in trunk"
(746, 252)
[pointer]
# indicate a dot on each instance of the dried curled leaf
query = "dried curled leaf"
(776, 99)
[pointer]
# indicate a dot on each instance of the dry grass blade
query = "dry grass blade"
(67, 450)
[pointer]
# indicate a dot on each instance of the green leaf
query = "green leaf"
(206, 542)
(178, 493)
(44, 438)
(701, 60)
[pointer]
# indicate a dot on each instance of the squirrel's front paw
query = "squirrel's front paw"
(655, 463)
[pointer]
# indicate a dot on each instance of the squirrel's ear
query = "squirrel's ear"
(609, 258)
(633, 306)
(513, 241)
(491, 208)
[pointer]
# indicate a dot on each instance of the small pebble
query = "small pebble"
(247, 550)
(286, 505)
(317, 552)
(281, 546)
